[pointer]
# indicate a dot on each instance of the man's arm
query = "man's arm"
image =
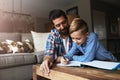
(46, 64)
(49, 58)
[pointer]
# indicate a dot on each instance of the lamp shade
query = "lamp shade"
(71, 17)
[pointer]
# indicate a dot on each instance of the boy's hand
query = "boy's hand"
(64, 60)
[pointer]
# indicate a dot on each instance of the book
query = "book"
(95, 63)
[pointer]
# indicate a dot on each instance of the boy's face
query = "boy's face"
(78, 37)
(61, 25)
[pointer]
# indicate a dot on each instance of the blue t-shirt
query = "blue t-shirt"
(91, 49)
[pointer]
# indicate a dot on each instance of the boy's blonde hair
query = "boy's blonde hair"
(78, 24)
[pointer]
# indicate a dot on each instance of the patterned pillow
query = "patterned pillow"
(10, 46)
(4, 48)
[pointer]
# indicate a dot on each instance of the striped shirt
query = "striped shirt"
(54, 44)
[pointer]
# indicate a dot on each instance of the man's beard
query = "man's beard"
(64, 32)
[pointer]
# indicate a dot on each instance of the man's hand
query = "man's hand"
(45, 66)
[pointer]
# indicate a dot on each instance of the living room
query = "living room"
(25, 21)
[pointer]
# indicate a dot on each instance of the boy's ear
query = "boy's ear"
(87, 34)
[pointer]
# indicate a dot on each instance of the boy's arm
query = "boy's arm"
(72, 52)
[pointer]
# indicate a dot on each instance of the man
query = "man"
(58, 42)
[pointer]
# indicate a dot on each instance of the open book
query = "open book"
(96, 63)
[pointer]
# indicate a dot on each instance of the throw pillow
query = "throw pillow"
(39, 40)
(10, 46)
(4, 48)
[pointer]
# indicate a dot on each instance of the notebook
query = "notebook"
(95, 63)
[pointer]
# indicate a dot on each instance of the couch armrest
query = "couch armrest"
(39, 56)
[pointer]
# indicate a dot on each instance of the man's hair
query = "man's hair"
(78, 24)
(56, 13)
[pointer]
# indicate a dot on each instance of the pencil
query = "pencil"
(64, 57)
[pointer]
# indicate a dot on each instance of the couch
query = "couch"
(18, 66)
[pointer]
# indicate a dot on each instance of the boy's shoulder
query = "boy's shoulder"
(92, 35)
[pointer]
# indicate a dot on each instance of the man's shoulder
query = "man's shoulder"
(54, 33)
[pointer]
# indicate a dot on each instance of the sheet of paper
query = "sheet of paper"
(71, 63)
(102, 64)
(96, 63)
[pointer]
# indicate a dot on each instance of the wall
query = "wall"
(112, 30)
(40, 24)
(10, 22)
(99, 25)
(112, 14)
(84, 10)
(25, 6)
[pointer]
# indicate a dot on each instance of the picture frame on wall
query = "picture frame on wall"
(73, 10)
(114, 29)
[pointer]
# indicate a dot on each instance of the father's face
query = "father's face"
(61, 25)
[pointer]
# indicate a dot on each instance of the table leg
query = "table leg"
(34, 73)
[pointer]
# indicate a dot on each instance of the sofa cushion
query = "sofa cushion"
(10, 60)
(39, 40)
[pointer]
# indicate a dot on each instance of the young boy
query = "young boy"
(87, 43)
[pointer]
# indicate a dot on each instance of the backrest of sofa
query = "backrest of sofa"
(10, 36)
(25, 36)
(15, 36)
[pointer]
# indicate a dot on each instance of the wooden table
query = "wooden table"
(75, 73)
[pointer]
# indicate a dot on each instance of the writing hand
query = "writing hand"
(64, 60)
